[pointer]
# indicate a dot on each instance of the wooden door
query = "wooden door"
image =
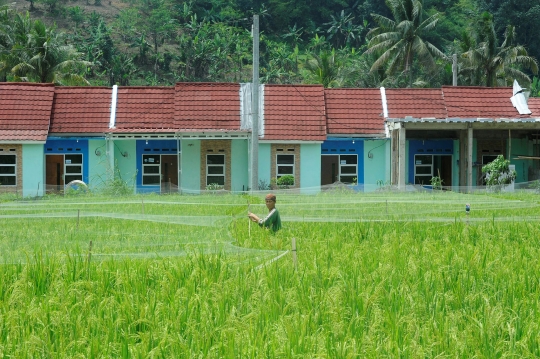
(329, 169)
(169, 173)
(54, 169)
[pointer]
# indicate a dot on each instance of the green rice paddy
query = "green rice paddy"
(379, 275)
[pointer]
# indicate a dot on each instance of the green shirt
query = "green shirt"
(272, 221)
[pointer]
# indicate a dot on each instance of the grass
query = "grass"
(394, 275)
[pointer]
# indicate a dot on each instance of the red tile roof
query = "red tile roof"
(294, 112)
(145, 109)
(534, 106)
(81, 110)
(25, 111)
(480, 102)
(207, 106)
(417, 103)
(354, 111)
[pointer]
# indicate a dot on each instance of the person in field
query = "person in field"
(272, 221)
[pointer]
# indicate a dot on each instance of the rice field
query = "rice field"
(379, 275)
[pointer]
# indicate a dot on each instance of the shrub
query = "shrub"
(498, 173)
(285, 181)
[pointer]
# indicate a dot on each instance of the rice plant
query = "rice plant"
(378, 275)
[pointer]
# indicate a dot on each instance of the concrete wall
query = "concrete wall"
(265, 162)
(190, 181)
(376, 164)
(98, 164)
(239, 166)
(520, 146)
(33, 170)
(310, 168)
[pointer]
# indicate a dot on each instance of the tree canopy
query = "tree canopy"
(345, 43)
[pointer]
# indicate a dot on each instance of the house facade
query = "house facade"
(194, 136)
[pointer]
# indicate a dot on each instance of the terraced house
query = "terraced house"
(194, 135)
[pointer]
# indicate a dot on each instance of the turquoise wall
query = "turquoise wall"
(265, 162)
(190, 181)
(33, 169)
(520, 146)
(97, 164)
(127, 166)
(377, 167)
(239, 165)
(310, 168)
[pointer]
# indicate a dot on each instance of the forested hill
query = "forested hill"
(337, 43)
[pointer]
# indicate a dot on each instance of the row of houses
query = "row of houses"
(186, 137)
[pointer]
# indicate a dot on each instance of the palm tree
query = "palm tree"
(486, 63)
(398, 43)
(325, 69)
(44, 58)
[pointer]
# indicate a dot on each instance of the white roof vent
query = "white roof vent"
(519, 101)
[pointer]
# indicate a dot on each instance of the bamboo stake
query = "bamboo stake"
(89, 257)
(249, 220)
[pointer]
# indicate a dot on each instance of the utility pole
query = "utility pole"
(255, 108)
(454, 70)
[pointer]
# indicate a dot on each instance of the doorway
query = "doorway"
(62, 169)
(169, 173)
(329, 169)
(429, 166)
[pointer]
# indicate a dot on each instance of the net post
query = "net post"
(89, 258)
(293, 250)
(78, 218)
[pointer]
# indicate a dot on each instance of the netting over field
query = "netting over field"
(147, 226)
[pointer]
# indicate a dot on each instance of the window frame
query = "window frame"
(13, 165)
(77, 176)
(216, 165)
(151, 165)
(423, 175)
(293, 165)
(355, 165)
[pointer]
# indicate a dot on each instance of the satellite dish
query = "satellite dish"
(519, 101)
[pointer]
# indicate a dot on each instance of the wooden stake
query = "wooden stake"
(249, 221)
(78, 218)
(89, 257)
(294, 253)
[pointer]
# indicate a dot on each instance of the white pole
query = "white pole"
(249, 221)
(255, 108)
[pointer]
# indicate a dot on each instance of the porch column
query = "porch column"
(394, 157)
(462, 160)
(469, 157)
(110, 156)
(401, 171)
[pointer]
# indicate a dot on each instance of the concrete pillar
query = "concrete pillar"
(469, 157)
(401, 171)
(463, 159)
(394, 158)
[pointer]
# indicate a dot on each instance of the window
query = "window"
(151, 175)
(285, 165)
(348, 168)
(8, 170)
(423, 169)
(73, 168)
(215, 170)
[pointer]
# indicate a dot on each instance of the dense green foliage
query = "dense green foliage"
(378, 276)
(160, 42)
